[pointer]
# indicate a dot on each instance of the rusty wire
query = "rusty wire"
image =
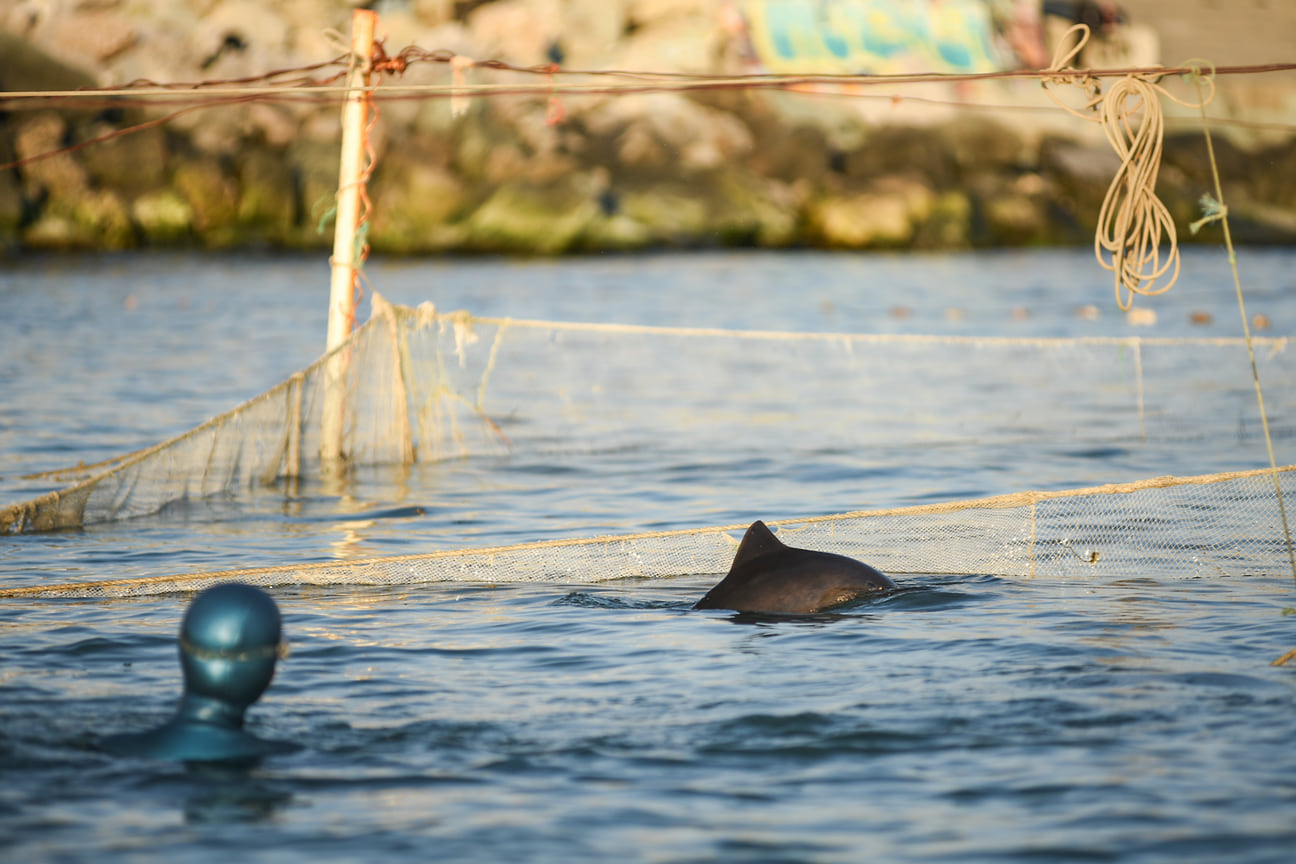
(301, 84)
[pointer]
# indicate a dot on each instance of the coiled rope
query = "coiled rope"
(1133, 222)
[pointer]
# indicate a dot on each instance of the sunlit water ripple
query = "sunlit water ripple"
(961, 718)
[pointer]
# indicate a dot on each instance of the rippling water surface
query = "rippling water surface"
(962, 718)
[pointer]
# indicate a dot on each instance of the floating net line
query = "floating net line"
(1209, 526)
(420, 386)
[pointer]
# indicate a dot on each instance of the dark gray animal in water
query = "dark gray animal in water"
(768, 576)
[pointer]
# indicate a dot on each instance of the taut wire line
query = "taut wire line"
(296, 85)
(636, 81)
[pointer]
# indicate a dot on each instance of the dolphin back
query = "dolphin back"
(770, 576)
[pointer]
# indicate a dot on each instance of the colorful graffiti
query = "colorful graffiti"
(873, 36)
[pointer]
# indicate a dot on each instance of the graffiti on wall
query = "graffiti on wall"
(878, 37)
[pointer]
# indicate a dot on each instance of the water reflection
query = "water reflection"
(231, 794)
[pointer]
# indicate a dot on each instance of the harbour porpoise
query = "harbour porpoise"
(769, 576)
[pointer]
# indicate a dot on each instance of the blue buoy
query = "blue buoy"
(230, 641)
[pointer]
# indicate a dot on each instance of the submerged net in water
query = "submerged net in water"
(418, 385)
(1215, 525)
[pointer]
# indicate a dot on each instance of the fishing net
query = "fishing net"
(1215, 525)
(418, 385)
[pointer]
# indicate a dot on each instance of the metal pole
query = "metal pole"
(342, 294)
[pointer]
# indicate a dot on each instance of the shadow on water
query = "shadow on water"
(808, 736)
(587, 599)
(64, 765)
(920, 594)
(222, 794)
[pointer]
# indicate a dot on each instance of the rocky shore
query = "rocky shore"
(521, 174)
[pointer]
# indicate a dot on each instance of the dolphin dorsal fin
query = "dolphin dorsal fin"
(759, 540)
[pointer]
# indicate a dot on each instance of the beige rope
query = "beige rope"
(1133, 221)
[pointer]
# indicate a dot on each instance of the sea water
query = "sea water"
(962, 718)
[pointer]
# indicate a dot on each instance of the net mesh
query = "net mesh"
(1213, 525)
(419, 385)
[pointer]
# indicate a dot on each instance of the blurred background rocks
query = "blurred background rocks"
(922, 166)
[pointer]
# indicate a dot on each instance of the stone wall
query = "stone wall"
(865, 169)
